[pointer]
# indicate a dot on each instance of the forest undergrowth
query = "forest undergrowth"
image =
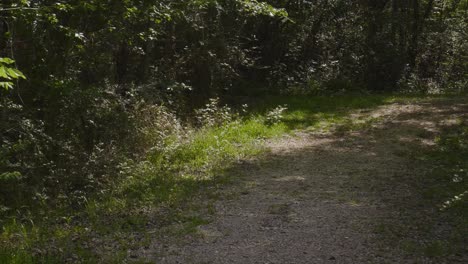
(182, 172)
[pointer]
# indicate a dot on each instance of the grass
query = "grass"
(447, 184)
(325, 112)
(443, 188)
(24, 257)
(172, 184)
(448, 180)
(167, 180)
(313, 112)
(195, 163)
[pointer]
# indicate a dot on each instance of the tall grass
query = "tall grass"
(173, 175)
(169, 176)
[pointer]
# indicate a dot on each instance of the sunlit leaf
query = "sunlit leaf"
(6, 61)
(3, 73)
(6, 85)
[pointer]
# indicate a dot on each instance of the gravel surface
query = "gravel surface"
(326, 197)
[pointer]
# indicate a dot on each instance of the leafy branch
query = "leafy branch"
(9, 74)
(17, 8)
(262, 8)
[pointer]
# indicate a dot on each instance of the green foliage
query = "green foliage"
(10, 176)
(444, 187)
(320, 112)
(213, 114)
(8, 74)
(449, 185)
(24, 257)
(177, 164)
(175, 167)
(261, 8)
(275, 115)
(108, 108)
(175, 173)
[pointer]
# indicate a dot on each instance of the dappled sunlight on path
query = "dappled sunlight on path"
(323, 197)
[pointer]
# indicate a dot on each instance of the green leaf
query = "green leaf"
(3, 73)
(10, 176)
(6, 61)
(15, 74)
(255, 7)
(6, 85)
(19, 73)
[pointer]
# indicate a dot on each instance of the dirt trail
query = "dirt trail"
(322, 197)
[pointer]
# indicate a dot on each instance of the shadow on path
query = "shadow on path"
(352, 197)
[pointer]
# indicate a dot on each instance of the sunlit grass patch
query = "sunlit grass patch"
(174, 175)
(321, 113)
(326, 112)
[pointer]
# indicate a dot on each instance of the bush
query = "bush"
(156, 126)
(214, 114)
(275, 115)
(72, 150)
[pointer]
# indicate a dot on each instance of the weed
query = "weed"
(275, 115)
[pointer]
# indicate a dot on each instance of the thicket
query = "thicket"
(89, 87)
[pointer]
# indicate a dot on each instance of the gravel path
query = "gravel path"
(325, 197)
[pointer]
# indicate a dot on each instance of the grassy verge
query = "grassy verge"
(169, 185)
(447, 184)
(447, 187)
(322, 112)
(439, 231)
(432, 225)
(153, 193)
